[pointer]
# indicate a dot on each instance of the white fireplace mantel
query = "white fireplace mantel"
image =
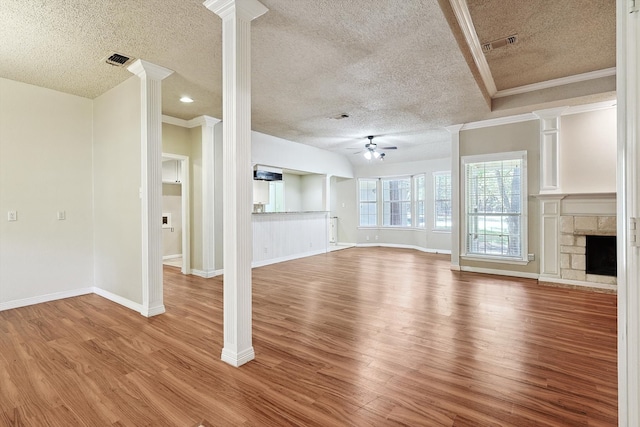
(554, 206)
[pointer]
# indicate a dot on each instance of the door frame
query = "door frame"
(184, 199)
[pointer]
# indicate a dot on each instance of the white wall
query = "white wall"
(45, 167)
(277, 152)
(292, 192)
(588, 150)
(313, 192)
(117, 181)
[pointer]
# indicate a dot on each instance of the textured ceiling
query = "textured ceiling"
(555, 38)
(400, 69)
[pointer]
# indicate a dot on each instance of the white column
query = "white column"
(628, 201)
(237, 187)
(208, 193)
(455, 196)
(151, 77)
(549, 149)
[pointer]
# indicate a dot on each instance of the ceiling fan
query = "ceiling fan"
(371, 150)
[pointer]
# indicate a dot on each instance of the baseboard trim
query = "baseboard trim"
(165, 257)
(394, 245)
(238, 359)
(287, 258)
(206, 274)
(153, 311)
(118, 299)
(578, 283)
(44, 298)
(510, 273)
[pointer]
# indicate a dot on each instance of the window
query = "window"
(396, 202)
(368, 193)
(442, 201)
(495, 205)
(420, 195)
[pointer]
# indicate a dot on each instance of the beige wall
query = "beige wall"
(117, 204)
(501, 139)
(45, 167)
(588, 150)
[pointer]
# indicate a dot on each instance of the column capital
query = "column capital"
(245, 9)
(142, 68)
(203, 121)
(550, 112)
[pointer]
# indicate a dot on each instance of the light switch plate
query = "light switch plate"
(62, 215)
(12, 216)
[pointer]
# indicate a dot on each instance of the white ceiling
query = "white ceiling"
(401, 70)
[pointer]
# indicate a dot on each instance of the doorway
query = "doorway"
(175, 212)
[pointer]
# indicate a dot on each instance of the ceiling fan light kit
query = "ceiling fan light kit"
(371, 150)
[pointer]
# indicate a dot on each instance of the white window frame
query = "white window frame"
(435, 201)
(513, 155)
(415, 200)
(382, 201)
(376, 202)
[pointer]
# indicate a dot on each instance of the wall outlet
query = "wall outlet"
(266, 250)
(62, 215)
(367, 238)
(531, 257)
(12, 216)
(376, 237)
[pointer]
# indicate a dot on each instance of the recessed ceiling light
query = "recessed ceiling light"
(186, 99)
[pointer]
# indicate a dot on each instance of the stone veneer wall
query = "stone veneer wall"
(573, 242)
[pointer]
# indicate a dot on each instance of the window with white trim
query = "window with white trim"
(368, 198)
(442, 201)
(495, 206)
(420, 198)
(396, 202)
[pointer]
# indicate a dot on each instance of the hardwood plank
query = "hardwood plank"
(358, 337)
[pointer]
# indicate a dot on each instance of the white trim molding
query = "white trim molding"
(576, 78)
(497, 272)
(118, 299)
(550, 149)
(399, 246)
(628, 207)
(463, 16)
(9, 305)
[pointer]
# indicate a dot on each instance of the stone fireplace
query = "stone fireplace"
(574, 231)
(566, 221)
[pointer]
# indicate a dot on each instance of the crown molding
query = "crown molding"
(463, 16)
(193, 123)
(500, 121)
(536, 115)
(607, 72)
(604, 105)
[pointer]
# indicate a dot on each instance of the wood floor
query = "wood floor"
(358, 337)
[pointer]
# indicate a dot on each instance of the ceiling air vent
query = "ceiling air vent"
(496, 44)
(117, 59)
